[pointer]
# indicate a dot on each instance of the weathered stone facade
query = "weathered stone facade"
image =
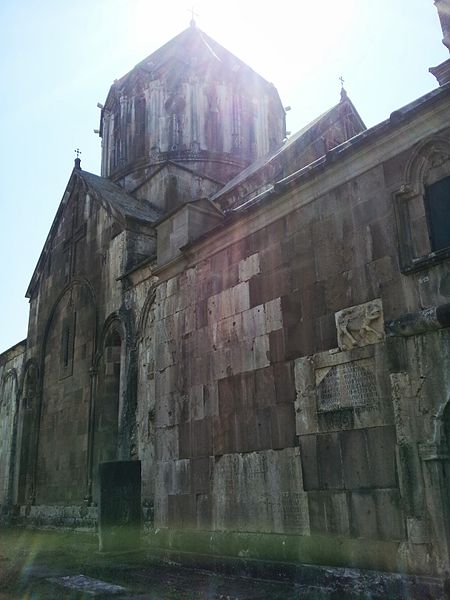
(270, 339)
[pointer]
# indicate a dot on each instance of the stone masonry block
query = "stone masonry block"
(200, 475)
(283, 426)
(227, 331)
(261, 352)
(309, 461)
(249, 267)
(330, 462)
(381, 444)
(283, 374)
(305, 403)
(363, 515)
(391, 523)
(273, 313)
(229, 302)
(265, 387)
(253, 322)
(277, 345)
(355, 459)
(291, 309)
(241, 298)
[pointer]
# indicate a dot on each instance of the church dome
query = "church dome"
(190, 99)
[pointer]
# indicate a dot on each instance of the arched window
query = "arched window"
(422, 206)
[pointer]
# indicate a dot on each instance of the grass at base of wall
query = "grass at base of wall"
(320, 550)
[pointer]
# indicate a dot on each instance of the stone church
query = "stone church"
(260, 324)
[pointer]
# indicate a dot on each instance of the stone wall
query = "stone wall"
(282, 377)
(274, 384)
(11, 365)
(78, 361)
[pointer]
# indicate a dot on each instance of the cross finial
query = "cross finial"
(78, 159)
(193, 14)
(343, 92)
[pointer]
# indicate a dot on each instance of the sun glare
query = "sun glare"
(255, 29)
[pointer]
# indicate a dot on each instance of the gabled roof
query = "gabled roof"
(121, 203)
(291, 154)
(110, 196)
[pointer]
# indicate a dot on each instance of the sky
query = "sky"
(58, 58)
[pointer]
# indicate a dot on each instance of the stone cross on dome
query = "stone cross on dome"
(193, 14)
(78, 159)
(343, 91)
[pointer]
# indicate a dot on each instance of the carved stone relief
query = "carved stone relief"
(360, 325)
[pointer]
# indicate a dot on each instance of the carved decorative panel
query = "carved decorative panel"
(360, 325)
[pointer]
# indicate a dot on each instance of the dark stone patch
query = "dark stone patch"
(299, 339)
(184, 440)
(204, 511)
(302, 273)
(200, 475)
(327, 338)
(308, 454)
(263, 288)
(291, 309)
(355, 459)
(263, 429)
(264, 387)
(397, 356)
(391, 524)
(230, 276)
(277, 346)
(202, 439)
(329, 461)
(228, 391)
(120, 505)
(381, 442)
(283, 374)
(381, 233)
(283, 426)
(363, 515)
(270, 258)
(201, 314)
(224, 434)
(182, 510)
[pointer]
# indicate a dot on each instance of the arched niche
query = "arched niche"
(8, 406)
(27, 433)
(435, 457)
(146, 399)
(61, 466)
(110, 391)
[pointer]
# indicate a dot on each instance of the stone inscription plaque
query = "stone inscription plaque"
(343, 418)
(346, 386)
